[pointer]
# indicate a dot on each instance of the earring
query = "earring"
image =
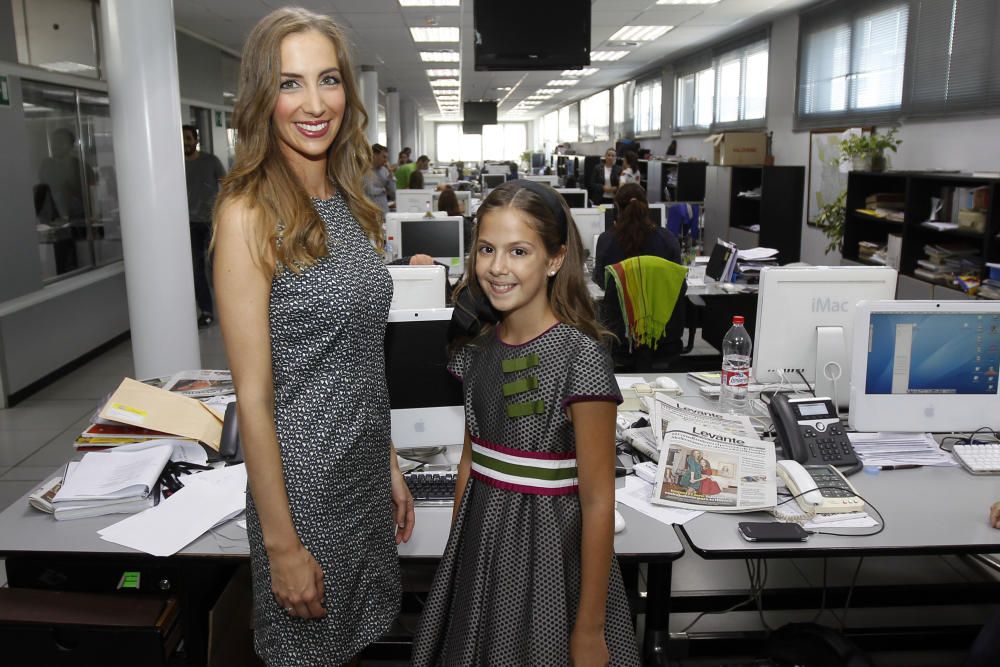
(552, 273)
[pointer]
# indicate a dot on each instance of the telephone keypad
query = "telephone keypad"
(828, 441)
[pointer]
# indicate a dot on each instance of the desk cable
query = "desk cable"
(757, 574)
(971, 438)
(881, 519)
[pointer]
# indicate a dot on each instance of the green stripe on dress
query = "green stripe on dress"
(527, 471)
(525, 409)
(519, 363)
(520, 386)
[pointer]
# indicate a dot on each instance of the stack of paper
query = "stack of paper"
(110, 483)
(899, 449)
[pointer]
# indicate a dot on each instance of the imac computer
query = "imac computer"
(658, 214)
(442, 238)
(464, 200)
(491, 181)
(413, 201)
(926, 366)
(426, 401)
(551, 181)
(575, 198)
(805, 322)
(418, 287)
(589, 221)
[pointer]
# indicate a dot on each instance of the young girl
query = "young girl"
(529, 575)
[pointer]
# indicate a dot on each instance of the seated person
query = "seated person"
(416, 180)
(448, 202)
(634, 235)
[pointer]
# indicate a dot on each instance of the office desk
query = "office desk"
(30, 540)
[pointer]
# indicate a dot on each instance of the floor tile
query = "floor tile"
(40, 414)
(11, 491)
(17, 445)
(60, 448)
(28, 474)
(77, 386)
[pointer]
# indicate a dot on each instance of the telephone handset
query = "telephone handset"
(809, 430)
(823, 489)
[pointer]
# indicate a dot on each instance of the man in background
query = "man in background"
(403, 171)
(379, 183)
(202, 171)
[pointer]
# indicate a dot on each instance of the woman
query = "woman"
(448, 202)
(303, 301)
(630, 169)
(708, 486)
(603, 181)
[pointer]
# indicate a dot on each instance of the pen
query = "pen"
(900, 467)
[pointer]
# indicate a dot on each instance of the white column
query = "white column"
(141, 60)
(408, 127)
(392, 124)
(369, 97)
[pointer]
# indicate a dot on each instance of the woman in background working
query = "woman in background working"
(630, 169)
(448, 202)
(303, 301)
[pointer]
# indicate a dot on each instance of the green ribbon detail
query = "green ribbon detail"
(525, 409)
(520, 386)
(519, 363)
(516, 470)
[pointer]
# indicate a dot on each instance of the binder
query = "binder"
(722, 263)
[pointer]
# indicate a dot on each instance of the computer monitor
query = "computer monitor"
(426, 401)
(589, 221)
(926, 366)
(418, 287)
(413, 201)
(464, 200)
(441, 238)
(552, 181)
(805, 322)
(491, 181)
(574, 197)
(658, 214)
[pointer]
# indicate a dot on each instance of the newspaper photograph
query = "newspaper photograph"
(201, 384)
(666, 411)
(709, 469)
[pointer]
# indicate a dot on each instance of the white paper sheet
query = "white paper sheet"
(184, 450)
(636, 495)
(114, 474)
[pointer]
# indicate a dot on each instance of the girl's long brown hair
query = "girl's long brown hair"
(567, 290)
(632, 224)
(262, 177)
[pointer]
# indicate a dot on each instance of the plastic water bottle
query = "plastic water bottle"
(390, 250)
(736, 347)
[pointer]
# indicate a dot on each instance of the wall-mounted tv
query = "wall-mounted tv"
(471, 128)
(481, 113)
(555, 37)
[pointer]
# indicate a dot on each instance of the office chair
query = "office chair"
(640, 299)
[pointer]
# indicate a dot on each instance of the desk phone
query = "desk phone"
(809, 430)
(823, 489)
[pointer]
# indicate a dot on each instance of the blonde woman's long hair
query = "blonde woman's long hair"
(263, 178)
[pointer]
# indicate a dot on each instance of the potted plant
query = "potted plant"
(867, 152)
(831, 221)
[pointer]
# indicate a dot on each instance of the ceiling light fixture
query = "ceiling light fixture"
(586, 71)
(445, 83)
(443, 72)
(687, 2)
(641, 33)
(428, 3)
(439, 56)
(607, 55)
(563, 82)
(434, 34)
(549, 91)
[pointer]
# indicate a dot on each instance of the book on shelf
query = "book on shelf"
(885, 200)
(939, 278)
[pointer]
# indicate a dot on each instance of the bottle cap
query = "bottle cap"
(738, 319)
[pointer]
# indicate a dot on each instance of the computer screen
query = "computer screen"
(441, 238)
(551, 181)
(491, 181)
(805, 322)
(426, 401)
(657, 214)
(574, 198)
(531, 35)
(413, 201)
(926, 365)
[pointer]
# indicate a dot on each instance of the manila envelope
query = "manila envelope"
(158, 409)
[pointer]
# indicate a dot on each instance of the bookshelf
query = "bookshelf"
(928, 258)
(772, 217)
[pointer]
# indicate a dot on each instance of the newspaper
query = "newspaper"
(201, 384)
(666, 411)
(709, 469)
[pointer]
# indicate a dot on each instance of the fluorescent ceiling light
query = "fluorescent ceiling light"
(67, 67)
(538, 97)
(641, 33)
(428, 3)
(586, 71)
(563, 82)
(608, 55)
(445, 83)
(443, 72)
(505, 88)
(686, 2)
(439, 56)
(549, 91)
(434, 34)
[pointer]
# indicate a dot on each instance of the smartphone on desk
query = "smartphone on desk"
(771, 531)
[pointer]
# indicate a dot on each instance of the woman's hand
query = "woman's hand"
(995, 514)
(402, 501)
(297, 582)
(587, 648)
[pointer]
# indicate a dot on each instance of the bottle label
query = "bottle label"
(735, 378)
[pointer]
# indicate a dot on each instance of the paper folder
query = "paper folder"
(160, 410)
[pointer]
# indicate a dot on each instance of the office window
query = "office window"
(851, 62)
(723, 87)
(594, 113)
(622, 109)
(569, 123)
(550, 130)
(647, 102)
(954, 63)
(505, 141)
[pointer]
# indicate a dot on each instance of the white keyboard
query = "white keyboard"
(979, 459)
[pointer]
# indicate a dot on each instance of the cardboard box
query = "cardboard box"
(972, 220)
(734, 148)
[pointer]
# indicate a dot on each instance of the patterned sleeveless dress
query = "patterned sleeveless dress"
(507, 588)
(331, 413)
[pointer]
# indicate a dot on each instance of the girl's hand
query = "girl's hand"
(995, 514)
(402, 500)
(297, 582)
(587, 648)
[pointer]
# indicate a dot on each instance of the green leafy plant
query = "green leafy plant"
(871, 147)
(831, 221)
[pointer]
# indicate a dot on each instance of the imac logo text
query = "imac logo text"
(829, 305)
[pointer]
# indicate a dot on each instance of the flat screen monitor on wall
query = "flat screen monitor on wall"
(531, 35)
(481, 113)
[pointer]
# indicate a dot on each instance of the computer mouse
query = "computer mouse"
(619, 522)
(664, 382)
